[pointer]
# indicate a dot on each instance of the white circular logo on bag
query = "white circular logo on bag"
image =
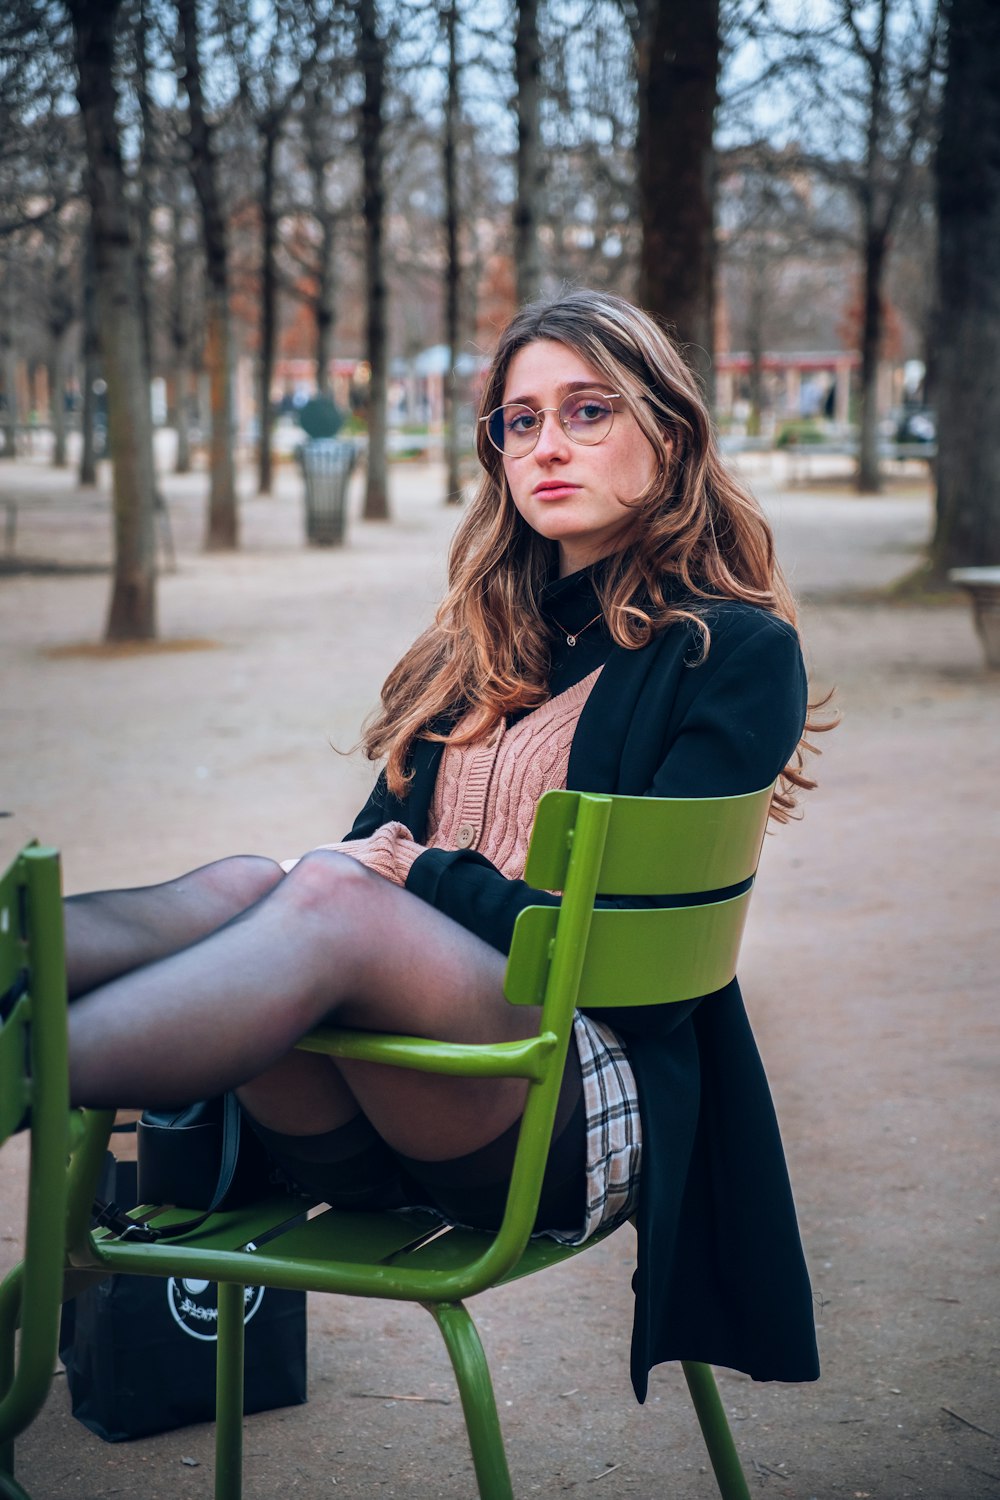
(194, 1305)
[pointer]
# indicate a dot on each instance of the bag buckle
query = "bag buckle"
(110, 1216)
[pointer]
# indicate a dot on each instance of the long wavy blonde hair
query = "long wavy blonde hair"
(487, 652)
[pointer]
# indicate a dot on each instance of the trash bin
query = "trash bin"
(326, 468)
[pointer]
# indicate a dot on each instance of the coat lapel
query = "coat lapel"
(598, 749)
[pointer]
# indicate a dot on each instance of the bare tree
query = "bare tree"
(62, 301)
(678, 70)
(41, 160)
(9, 269)
(881, 185)
(327, 215)
(132, 611)
(862, 90)
(372, 56)
(528, 205)
(591, 220)
(967, 375)
(274, 51)
(90, 351)
(310, 248)
(781, 259)
(453, 254)
(223, 525)
(322, 134)
(181, 334)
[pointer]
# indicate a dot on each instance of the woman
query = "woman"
(615, 622)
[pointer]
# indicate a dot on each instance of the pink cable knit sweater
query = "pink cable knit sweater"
(485, 794)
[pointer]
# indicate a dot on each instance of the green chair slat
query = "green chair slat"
(15, 1089)
(338, 1235)
(633, 957)
(665, 846)
(14, 1085)
(227, 1230)
(12, 953)
(452, 1251)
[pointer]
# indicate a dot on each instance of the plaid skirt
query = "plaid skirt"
(614, 1133)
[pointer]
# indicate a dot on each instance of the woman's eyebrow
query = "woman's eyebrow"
(566, 387)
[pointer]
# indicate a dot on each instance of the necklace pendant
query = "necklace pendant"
(571, 640)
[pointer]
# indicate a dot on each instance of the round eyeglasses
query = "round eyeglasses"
(585, 417)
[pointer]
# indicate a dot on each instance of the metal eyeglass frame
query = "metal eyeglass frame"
(573, 396)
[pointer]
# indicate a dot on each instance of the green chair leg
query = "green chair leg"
(478, 1401)
(9, 1305)
(715, 1430)
(229, 1394)
(10, 1308)
(11, 1490)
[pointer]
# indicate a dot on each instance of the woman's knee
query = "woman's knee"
(324, 877)
(241, 880)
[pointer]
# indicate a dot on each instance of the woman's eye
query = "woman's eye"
(590, 410)
(522, 422)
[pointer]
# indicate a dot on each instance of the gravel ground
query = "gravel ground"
(869, 972)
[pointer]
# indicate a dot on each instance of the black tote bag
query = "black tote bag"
(140, 1351)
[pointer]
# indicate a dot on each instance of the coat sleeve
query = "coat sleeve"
(733, 727)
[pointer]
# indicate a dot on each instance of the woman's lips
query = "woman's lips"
(554, 491)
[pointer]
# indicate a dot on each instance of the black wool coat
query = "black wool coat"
(720, 1276)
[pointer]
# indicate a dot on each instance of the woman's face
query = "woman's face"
(574, 494)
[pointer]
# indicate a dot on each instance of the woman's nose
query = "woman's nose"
(552, 440)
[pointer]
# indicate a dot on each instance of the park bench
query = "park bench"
(983, 588)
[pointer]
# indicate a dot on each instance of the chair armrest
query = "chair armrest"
(522, 1059)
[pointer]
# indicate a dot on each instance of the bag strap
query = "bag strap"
(110, 1216)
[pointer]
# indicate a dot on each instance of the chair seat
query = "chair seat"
(284, 1241)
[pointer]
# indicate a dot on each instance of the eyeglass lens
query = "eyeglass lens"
(585, 417)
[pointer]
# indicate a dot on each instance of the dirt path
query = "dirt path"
(869, 969)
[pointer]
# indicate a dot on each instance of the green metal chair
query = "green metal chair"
(576, 954)
(33, 1076)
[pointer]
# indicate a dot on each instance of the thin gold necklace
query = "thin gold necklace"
(571, 639)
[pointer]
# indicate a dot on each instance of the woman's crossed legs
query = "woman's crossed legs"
(207, 983)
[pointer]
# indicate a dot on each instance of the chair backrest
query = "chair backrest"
(34, 1076)
(627, 854)
(699, 855)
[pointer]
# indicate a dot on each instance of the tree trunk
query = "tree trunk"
(756, 313)
(132, 611)
(57, 394)
(372, 55)
(268, 304)
(222, 531)
(146, 198)
(326, 219)
(678, 67)
(182, 425)
(9, 355)
(528, 207)
(325, 300)
(87, 476)
(179, 342)
(967, 377)
(869, 478)
(453, 265)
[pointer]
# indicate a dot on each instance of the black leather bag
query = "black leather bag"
(199, 1156)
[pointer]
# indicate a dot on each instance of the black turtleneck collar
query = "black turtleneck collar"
(569, 606)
